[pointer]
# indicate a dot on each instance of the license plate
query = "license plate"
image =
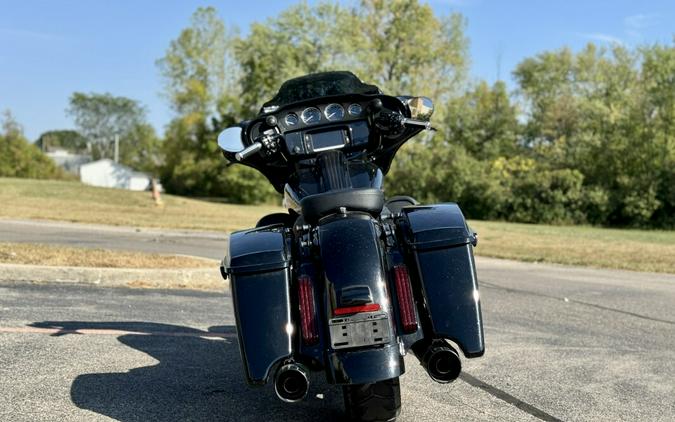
(359, 330)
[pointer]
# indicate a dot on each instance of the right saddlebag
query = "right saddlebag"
(439, 246)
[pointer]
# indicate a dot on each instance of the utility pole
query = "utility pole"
(117, 148)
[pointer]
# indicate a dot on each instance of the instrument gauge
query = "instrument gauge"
(291, 119)
(355, 109)
(311, 115)
(334, 112)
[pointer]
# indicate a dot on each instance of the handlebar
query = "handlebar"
(413, 122)
(248, 151)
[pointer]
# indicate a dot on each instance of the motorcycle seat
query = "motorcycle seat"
(368, 200)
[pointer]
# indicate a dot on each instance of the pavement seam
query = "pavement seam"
(508, 398)
(578, 302)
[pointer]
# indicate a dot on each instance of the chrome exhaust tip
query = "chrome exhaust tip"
(440, 360)
(291, 383)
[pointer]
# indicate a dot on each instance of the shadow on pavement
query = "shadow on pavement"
(196, 379)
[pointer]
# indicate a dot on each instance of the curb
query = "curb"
(184, 278)
(88, 227)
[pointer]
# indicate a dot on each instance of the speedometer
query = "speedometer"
(311, 115)
(334, 112)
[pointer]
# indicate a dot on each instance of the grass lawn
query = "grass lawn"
(73, 201)
(32, 254)
(640, 250)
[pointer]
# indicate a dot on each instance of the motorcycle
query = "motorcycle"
(347, 282)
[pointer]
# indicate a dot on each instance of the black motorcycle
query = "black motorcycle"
(347, 281)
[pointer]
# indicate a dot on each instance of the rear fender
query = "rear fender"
(354, 275)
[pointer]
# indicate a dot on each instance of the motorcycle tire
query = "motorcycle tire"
(378, 402)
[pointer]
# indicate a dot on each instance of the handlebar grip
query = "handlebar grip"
(413, 122)
(248, 151)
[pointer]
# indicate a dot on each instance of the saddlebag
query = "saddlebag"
(258, 264)
(439, 245)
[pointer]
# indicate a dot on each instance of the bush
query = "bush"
(19, 158)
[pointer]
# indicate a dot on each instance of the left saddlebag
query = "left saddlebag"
(258, 264)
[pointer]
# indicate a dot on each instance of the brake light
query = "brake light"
(405, 299)
(371, 307)
(310, 333)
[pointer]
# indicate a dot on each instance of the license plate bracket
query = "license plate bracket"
(367, 329)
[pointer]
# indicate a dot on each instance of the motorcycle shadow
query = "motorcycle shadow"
(197, 378)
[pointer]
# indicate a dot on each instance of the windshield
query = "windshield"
(319, 85)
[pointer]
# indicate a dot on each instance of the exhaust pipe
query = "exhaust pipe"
(291, 383)
(440, 360)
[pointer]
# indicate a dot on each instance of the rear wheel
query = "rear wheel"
(376, 402)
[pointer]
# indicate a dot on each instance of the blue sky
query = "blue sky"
(49, 49)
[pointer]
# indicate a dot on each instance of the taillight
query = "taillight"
(406, 303)
(310, 334)
(371, 307)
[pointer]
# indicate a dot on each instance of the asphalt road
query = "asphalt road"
(208, 245)
(563, 343)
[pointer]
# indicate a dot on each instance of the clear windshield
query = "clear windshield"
(319, 85)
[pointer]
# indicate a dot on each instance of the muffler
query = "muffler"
(291, 382)
(440, 360)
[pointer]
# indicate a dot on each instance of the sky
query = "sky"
(52, 48)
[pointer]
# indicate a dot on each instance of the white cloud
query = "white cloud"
(456, 3)
(29, 34)
(635, 24)
(597, 36)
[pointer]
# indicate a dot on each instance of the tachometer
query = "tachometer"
(355, 109)
(311, 115)
(291, 119)
(334, 112)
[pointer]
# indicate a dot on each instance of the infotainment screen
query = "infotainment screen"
(322, 141)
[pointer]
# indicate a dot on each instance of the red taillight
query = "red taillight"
(371, 307)
(310, 334)
(405, 299)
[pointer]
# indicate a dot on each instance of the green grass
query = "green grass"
(640, 250)
(52, 255)
(75, 202)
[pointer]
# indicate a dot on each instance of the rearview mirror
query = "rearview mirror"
(229, 140)
(421, 108)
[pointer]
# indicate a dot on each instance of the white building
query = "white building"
(67, 160)
(109, 174)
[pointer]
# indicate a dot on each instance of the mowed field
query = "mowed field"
(639, 250)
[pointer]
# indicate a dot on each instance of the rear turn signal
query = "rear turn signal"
(405, 299)
(310, 333)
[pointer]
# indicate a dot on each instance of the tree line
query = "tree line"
(584, 137)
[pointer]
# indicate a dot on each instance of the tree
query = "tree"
(416, 53)
(194, 66)
(19, 158)
(404, 48)
(70, 140)
(101, 117)
(484, 121)
(607, 114)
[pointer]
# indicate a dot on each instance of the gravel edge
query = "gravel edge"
(183, 278)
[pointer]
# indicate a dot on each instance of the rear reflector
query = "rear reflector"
(371, 307)
(310, 333)
(405, 299)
